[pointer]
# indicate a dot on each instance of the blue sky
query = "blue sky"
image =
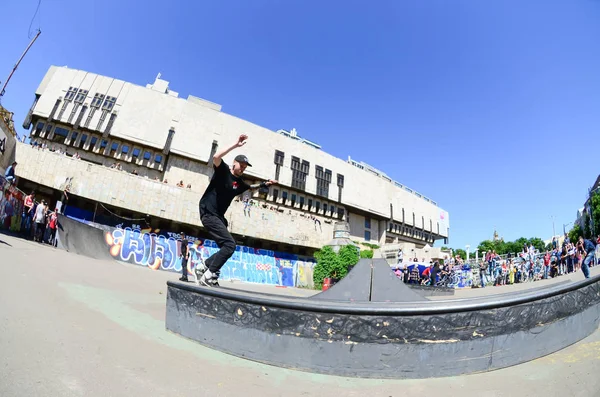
(491, 108)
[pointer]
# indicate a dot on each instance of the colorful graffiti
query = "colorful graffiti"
(460, 276)
(162, 251)
(11, 206)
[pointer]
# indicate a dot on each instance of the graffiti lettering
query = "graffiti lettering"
(246, 264)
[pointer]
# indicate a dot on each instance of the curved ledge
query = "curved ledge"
(389, 308)
(387, 340)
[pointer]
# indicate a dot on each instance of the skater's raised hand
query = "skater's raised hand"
(242, 140)
(271, 182)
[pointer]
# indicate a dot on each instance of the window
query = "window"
(340, 213)
(275, 194)
(332, 209)
(284, 196)
(111, 121)
(367, 235)
(103, 145)
(147, 155)
(70, 119)
(38, 128)
(135, 154)
(60, 134)
(124, 149)
(97, 101)
(113, 148)
(81, 94)
(310, 204)
(299, 173)
(158, 159)
(109, 103)
(340, 180)
(48, 129)
(80, 117)
(84, 138)
(293, 199)
(71, 94)
(323, 181)
(301, 202)
(93, 142)
(74, 137)
(317, 206)
(367, 223)
(279, 156)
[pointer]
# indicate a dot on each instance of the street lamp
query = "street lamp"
(468, 247)
(565, 225)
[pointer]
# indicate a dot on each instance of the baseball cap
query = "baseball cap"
(240, 158)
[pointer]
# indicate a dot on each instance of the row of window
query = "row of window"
(399, 229)
(307, 204)
(78, 96)
(84, 141)
(300, 170)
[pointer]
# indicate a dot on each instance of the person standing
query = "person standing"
(184, 257)
(40, 221)
(225, 184)
(589, 250)
(52, 224)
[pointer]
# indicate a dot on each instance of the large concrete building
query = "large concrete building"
(166, 140)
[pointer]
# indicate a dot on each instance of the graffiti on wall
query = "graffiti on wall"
(163, 251)
(11, 206)
(460, 276)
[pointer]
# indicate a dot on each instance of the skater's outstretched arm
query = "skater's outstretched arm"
(219, 156)
(263, 184)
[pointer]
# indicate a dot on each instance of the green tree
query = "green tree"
(587, 231)
(327, 262)
(368, 254)
(537, 243)
(460, 252)
(595, 210)
(486, 246)
(575, 233)
(348, 256)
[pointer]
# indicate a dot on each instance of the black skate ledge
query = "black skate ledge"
(419, 339)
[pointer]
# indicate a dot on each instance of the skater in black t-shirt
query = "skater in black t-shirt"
(225, 184)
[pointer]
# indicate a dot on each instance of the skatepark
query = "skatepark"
(76, 325)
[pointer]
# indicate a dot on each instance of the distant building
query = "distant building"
(166, 140)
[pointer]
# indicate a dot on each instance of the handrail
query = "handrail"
(389, 308)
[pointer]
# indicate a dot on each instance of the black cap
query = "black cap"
(240, 158)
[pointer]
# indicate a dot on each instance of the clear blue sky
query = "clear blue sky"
(491, 108)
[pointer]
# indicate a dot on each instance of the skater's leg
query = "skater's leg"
(218, 232)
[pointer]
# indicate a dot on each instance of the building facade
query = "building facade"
(144, 150)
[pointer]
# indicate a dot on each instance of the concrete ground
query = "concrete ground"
(74, 326)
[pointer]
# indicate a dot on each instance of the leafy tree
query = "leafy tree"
(587, 231)
(537, 243)
(366, 254)
(460, 252)
(348, 256)
(549, 246)
(595, 210)
(575, 233)
(486, 246)
(327, 260)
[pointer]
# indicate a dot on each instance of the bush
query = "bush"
(332, 265)
(366, 254)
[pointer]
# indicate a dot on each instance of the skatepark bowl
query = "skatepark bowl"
(339, 332)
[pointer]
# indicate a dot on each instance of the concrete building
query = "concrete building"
(166, 140)
(8, 139)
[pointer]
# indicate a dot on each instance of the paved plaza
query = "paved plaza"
(74, 326)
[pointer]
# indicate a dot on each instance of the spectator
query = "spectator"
(40, 221)
(10, 173)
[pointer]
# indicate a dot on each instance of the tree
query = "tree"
(348, 256)
(327, 260)
(366, 254)
(460, 252)
(575, 233)
(587, 231)
(537, 243)
(486, 246)
(595, 211)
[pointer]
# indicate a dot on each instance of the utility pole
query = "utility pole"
(18, 62)
(553, 231)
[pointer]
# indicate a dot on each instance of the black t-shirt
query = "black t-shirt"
(221, 190)
(184, 248)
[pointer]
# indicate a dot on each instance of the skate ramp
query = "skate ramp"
(81, 238)
(370, 280)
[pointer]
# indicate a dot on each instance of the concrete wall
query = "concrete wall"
(122, 189)
(7, 146)
(144, 117)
